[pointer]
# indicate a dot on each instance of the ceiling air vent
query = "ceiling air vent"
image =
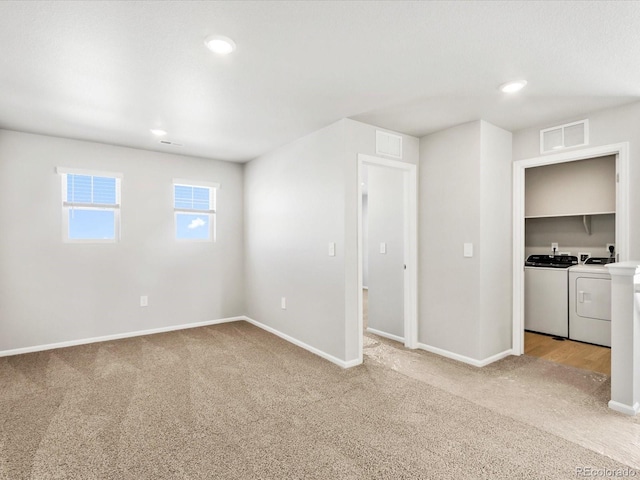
(388, 144)
(569, 135)
(172, 144)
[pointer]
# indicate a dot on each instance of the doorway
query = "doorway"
(620, 151)
(383, 251)
(387, 249)
(570, 222)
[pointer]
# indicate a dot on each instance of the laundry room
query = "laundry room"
(570, 230)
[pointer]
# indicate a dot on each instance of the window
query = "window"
(90, 206)
(194, 206)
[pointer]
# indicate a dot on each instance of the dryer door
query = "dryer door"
(593, 298)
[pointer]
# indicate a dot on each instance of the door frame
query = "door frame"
(410, 246)
(621, 151)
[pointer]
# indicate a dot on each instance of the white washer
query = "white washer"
(590, 304)
(546, 300)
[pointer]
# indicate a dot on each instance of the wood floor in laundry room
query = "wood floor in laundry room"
(568, 352)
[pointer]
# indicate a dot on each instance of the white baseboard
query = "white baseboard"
(496, 357)
(626, 409)
(117, 336)
(320, 353)
(462, 358)
(390, 336)
(353, 363)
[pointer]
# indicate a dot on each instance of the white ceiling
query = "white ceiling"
(109, 71)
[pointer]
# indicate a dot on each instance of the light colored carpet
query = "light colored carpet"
(565, 401)
(232, 401)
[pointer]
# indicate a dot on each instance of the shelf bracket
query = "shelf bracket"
(586, 221)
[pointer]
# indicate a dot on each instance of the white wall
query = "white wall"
(570, 235)
(449, 213)
(298, 199)
(495, 248)
(386, 271)
(53, 292)
(294, 207)
(606, 127)
(465, 197)
(571, 188)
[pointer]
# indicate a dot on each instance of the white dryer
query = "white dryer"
(590, 304)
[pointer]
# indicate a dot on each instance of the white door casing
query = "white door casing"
(621, 151)
(410, 247)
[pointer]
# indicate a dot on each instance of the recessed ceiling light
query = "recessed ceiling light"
(220, 45)
(513, 86)
(158, 132)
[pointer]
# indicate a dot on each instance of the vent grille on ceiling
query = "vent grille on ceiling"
(388, 144)
(172, 144)
(569, 135)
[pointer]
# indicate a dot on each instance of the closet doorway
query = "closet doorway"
(620, 152)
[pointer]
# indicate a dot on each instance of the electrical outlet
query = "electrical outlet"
(554, 246)
(611, 245)
(144, 301)
(283, 303)
(583, 256)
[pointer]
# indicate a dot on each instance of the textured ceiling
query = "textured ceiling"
(109, 71)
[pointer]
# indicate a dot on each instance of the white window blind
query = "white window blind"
(91, 207)
(194, 211)
(91, 191)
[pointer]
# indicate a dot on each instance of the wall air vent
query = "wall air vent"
(388, 144)
(569, 135)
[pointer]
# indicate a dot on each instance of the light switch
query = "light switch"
(468, 250)
(383, 247)
(332, 249)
